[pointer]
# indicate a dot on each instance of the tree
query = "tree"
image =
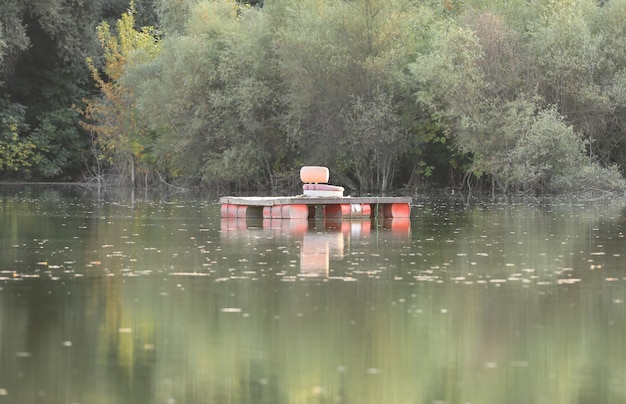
(605, 130)
(375, 139)
(118, 134)
(13, 38)
(16, 151)
(338, 60)
(43, 70)
(569, 63)
(211, 96)
(471, 79)
(173, 16)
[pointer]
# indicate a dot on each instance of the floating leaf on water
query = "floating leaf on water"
(318, 390)
(491, 365)
(568, 281)
(124, 330)
(231, 310)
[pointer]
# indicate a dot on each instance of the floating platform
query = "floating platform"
(304, 207)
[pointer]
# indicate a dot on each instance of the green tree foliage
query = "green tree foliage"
(550, 156)
(13, 38)
(572, 71)
(244, 94)
(604, 128)
(374, 141)
(174, 15)
(43, 70)
(495, 90)
(118, 136)
(381, 91)
(212, 95)
(340, 60)
(16, 152)
(239, 94)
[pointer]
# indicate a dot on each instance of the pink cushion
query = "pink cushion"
(322, 187)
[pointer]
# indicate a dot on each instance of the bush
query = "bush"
(551, 157)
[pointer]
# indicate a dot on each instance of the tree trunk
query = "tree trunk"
(132, 171)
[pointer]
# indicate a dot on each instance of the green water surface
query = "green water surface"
(109, 297)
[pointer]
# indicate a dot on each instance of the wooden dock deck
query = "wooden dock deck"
(303, 207)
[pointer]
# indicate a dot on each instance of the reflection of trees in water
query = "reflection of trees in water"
(369, 339)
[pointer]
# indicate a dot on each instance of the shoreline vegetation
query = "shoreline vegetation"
(419, 195)
(394, 96)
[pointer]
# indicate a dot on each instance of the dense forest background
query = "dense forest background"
(504, 95)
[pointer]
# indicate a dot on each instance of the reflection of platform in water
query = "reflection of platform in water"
(302, 207)
(321, 241)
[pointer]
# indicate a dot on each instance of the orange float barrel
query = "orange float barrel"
(337, 210)
(224, 210)
(232, 210)
(296, 211)
(286, 212)
(397, 210)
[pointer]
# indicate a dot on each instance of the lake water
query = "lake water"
(110, 298)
